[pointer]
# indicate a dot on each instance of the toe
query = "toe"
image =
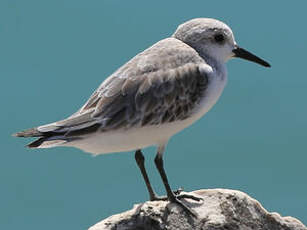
(186, 208)
(188, 196)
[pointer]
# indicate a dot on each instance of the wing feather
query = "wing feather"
(155, 98)
(162, 84)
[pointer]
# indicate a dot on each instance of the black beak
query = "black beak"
(242, 53)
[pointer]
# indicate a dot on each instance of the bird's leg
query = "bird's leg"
(170, 195)
(139, 158)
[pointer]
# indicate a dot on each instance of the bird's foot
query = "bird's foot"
(177, 199)
(176, 196)
(177, 192)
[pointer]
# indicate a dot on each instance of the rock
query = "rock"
(221, 209)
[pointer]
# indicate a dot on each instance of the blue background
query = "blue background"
(53, 54)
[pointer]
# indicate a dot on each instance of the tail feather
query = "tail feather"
(61, 132)
(29, 133)
(46, 142)
(45, 139)
(36, 143)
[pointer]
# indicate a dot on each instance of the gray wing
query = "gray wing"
(152, 99)
(152, 89)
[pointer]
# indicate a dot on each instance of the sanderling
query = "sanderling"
(158, 93)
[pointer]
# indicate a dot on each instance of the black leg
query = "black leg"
(170, 194)
(139, 158)
(160, 167)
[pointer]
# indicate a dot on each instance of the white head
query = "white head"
(213, 39)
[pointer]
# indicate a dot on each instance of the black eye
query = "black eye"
(219, 38)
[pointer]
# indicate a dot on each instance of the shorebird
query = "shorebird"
(156, 94)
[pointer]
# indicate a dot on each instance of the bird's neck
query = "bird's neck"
(218, 66)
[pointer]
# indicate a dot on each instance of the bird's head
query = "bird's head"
(213, 39)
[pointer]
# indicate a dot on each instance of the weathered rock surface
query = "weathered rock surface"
(221, 209)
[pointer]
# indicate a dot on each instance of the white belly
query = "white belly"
(138, 138)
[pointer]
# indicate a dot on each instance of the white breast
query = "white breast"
(216, 83)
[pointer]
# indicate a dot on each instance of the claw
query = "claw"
(188, 196)
(176, 193)
(176, 197)
(157, 198)
(185, 208)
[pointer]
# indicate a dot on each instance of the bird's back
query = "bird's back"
(158, 86)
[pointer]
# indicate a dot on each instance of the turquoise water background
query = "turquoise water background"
(53, 54)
